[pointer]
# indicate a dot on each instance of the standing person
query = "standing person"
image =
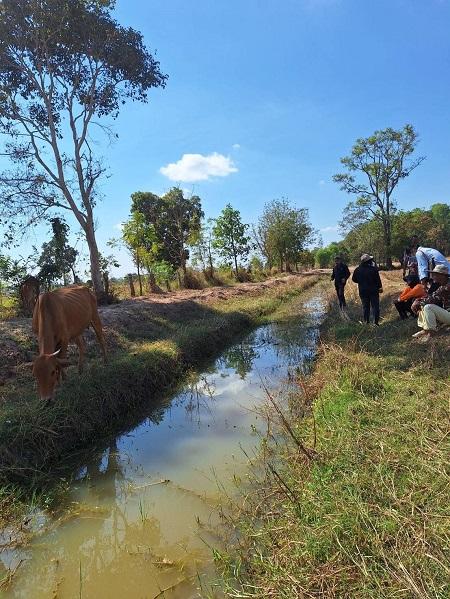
(435, 308)
(340, 275)
(427, 259)
(414, 290)
(367, 277)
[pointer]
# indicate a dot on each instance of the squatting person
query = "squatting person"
(435, 308)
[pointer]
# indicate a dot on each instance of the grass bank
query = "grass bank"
(38, 443)
(367, 515)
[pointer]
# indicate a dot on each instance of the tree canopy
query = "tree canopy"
(374, 168)
(230, 237)
(65, 65)
(172, 223)
(283, 233)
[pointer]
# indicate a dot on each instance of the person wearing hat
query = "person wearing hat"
(435, 308)
(340, 275)
(367, 277)
(414, 290)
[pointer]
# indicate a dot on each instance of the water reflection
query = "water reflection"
(143, 513)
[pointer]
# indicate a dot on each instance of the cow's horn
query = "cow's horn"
(54, 354)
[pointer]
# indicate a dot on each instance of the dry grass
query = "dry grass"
(366, 513)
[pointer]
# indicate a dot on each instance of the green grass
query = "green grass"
(368, 517)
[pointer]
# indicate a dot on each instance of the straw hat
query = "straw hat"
(366, 258)
(439, 269)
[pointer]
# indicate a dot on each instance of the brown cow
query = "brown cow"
(59, 317)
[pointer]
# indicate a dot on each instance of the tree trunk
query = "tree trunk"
(131, 284)
(96, 274)
(236, 270)
(138, 264)
(105, 278)
(388, 244)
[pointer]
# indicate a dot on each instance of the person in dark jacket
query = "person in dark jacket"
(340, 275)
(367, 277)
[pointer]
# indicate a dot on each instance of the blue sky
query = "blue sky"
(280, 90)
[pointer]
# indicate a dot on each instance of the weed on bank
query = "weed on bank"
(365, 511)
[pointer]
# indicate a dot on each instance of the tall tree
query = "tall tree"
(374, 168)
(283, 232)
(65, 65)
(57, 257)
(176, 221)
(230, 237)
(140, 240)
(203, 248)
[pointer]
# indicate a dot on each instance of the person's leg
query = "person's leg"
(340, 290)
(434, 315)
(375, 303)
(365, 300)
(400, 309)
(336, 286)
(408, 304)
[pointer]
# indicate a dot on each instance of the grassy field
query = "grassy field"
(364, 511)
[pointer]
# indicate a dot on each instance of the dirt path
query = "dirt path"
(18, 343)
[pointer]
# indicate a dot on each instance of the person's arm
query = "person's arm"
(405, 294)
(355, 276)
(332, 275)
(435, 298)
(347, 272)
(422, 264)
(380, 284)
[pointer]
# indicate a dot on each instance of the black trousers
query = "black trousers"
(404, 307)
(371, 300)
(340, 289)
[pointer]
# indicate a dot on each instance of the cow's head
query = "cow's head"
(47, 369)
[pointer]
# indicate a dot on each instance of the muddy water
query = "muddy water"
(143, 514)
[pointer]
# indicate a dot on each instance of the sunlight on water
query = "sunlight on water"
(143, 513)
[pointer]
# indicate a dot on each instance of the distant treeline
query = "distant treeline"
(431, 226)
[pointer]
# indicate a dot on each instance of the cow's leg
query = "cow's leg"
(97, 326)
(81, 350)
(62, 356)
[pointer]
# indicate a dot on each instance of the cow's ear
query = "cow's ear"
(62, 362)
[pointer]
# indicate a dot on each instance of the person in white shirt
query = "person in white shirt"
(427, 259)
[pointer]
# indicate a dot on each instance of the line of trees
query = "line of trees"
(432, 226)
(162, 233)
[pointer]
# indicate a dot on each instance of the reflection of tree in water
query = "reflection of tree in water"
(198, 396)
(240, 357)
(294, 342)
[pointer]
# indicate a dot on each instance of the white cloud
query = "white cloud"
(330, 229)
(196, 167)
(236, 146)
(119, 227)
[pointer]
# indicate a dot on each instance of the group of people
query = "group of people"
(426, 297)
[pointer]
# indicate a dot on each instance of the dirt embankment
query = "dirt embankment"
(18, 343)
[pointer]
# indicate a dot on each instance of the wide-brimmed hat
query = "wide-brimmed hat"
(365, 258)
(440, 269)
